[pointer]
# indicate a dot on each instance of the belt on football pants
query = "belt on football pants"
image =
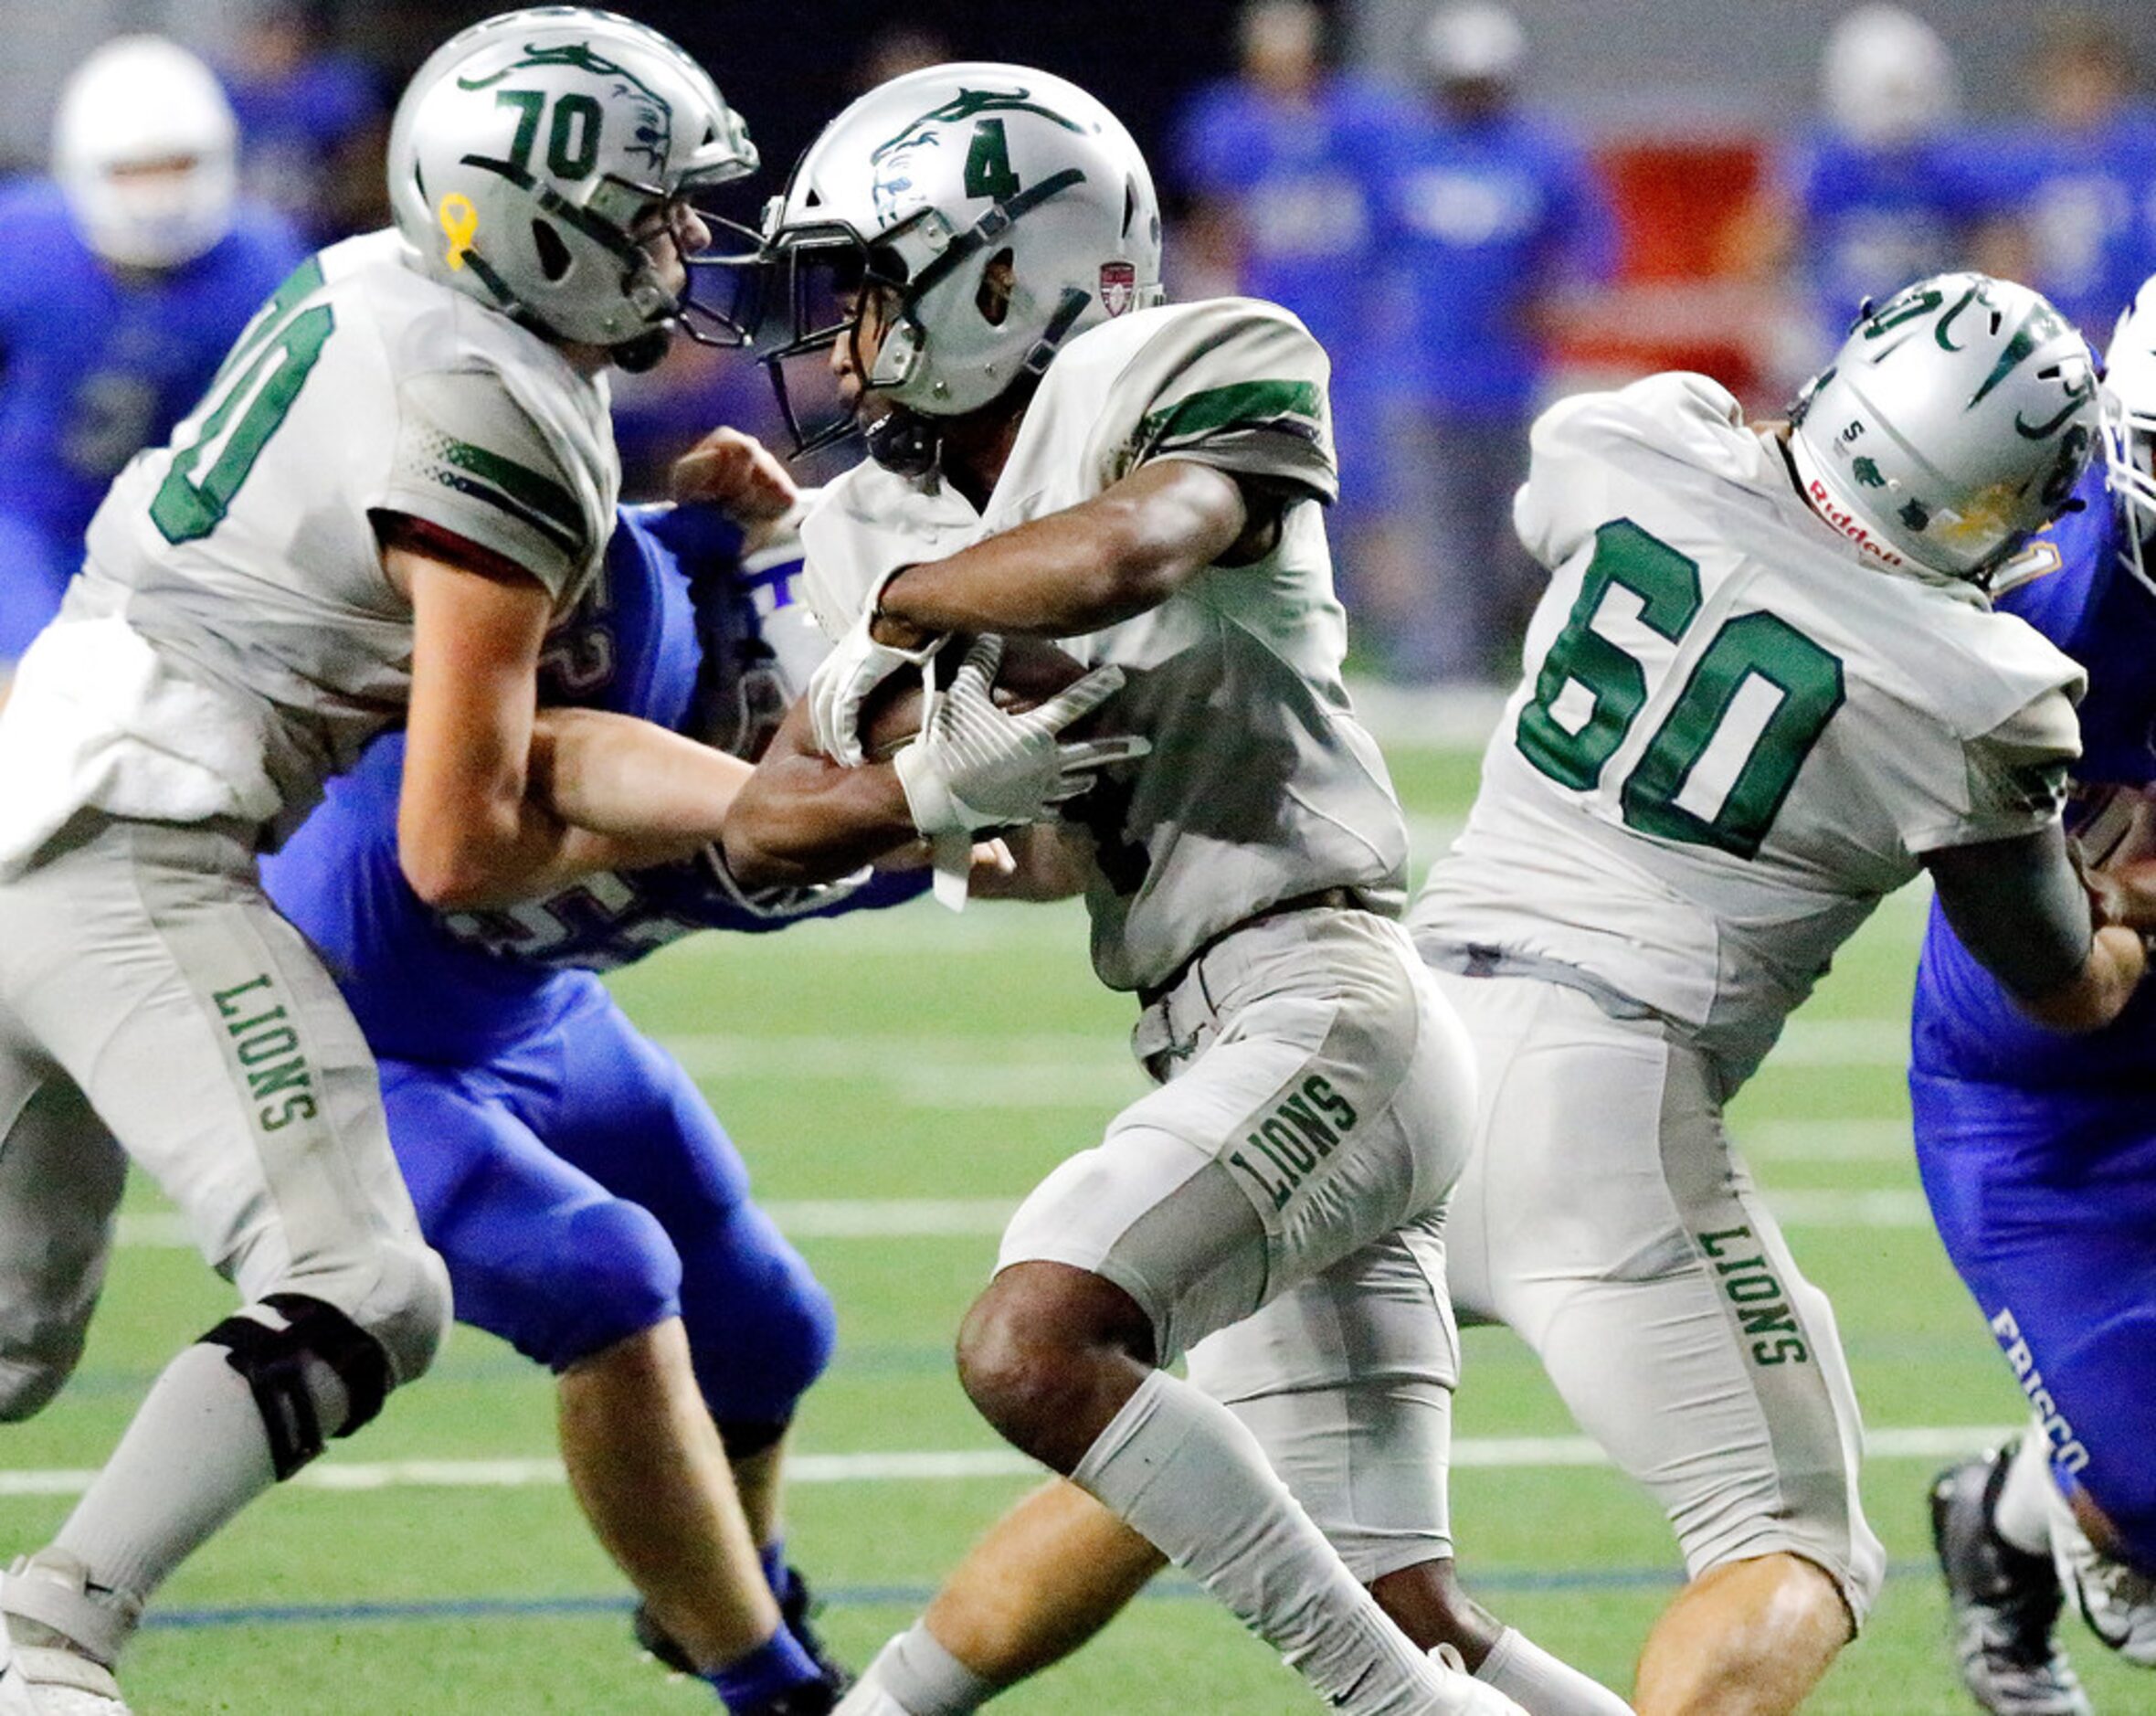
(1336, 899)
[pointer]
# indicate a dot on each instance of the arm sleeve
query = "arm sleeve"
(1239, 386)
(2018, 905)
(471, 461)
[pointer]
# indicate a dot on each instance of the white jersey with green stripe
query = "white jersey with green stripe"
(1738, 730)
(1261, 785)
(243, 552)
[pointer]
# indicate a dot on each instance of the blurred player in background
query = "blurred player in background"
(1877, 193)
(312, 120)
(123, 279)
(402, 477)
(591, 1209)
(1285, 165)
(1489, 214)
(2038, 1152)
(2072, 192)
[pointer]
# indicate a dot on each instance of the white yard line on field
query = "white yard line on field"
(1916, 1443)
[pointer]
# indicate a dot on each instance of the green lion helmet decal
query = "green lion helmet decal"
(922, 186)
(1955, 419)
(529, 148)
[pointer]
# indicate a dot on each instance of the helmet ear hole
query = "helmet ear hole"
(997, 281)
(555, 260)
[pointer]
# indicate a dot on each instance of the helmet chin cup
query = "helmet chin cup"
(905, 443)
(643, 352)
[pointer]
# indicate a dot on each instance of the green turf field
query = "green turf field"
(897, 1084)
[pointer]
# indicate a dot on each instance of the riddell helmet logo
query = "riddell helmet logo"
(1119, 286)
(1849, 524)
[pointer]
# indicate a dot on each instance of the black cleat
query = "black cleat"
(794, 1609)
(2003, 1602)
(797, 1608)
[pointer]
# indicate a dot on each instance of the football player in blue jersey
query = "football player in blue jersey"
(2038, 1150)
(123, 279)
(591, 1209)
(1878, 191)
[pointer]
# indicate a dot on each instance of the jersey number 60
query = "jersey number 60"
(1724, 759)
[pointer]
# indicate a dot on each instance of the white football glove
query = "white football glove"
(976, 766)
(856, 666)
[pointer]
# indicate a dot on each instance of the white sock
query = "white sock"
(1541, 1685)
(195, 1455)
(2021, 1514)
(1182, 1472)
(915, 1675)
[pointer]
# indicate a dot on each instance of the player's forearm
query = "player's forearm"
(804, 819)
(2098, 993)
(1075, 571)
(649, 789)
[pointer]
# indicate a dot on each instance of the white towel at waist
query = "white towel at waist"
(97, 718)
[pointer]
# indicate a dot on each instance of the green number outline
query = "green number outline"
(1754, 645)
(1749, 645)
(1667, 585)
(184, 510)
(987, 162)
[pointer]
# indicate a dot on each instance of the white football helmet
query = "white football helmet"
(1887, 78)
(2130, 427)
(532, 153)
(1956, 418)
(918, 189)
(144, 149)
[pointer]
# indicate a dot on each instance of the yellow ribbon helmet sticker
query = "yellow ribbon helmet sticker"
(459, 221)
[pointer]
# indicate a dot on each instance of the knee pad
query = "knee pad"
(761, 1326)
(610, 1273)
(410, 1309)
(277, 1361)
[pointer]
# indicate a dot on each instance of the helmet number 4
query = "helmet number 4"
(1727, 750)
(987, 162)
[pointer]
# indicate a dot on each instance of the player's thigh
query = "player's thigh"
(1346, 1381)
(627, 1115)
(760, 1325)
(1624, 1240)
(1322, 1102)
(60, 1179)
(539, 1253)
(2046, 1203)
(208, 1038)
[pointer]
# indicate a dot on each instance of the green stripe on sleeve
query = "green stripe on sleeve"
(1242, 404)
(536, 492)
(570, 543)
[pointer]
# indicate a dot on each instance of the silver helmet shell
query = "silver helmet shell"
(145, 150)
(1956, 418)
(529, 148)
(2130, 427)
(920, 187)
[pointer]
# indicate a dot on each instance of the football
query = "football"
(1033, 670)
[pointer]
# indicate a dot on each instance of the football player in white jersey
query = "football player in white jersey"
(969, 256)
(402, 474)
(1765, 689)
